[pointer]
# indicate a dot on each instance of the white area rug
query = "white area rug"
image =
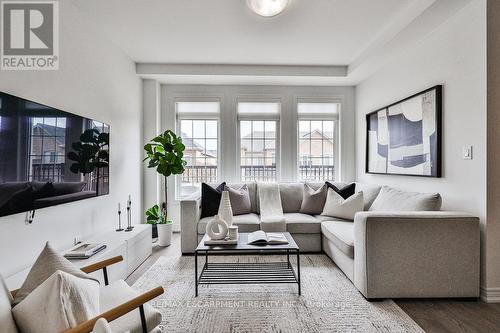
(329, 301)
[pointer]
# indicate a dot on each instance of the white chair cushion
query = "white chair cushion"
(102, 326)
(7, 322)
(59, 303)
(119, 292)
(391, 199)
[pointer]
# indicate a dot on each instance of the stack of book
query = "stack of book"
(84, 251)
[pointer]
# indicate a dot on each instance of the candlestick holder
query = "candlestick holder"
(119, 221)
(129, 215)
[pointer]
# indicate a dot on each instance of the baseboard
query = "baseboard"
(490, 295)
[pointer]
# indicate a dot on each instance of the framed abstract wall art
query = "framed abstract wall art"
(404, 138)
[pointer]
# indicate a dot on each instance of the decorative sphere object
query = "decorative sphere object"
(217, 228)
(225, 209)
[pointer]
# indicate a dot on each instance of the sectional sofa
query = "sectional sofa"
(401, 246)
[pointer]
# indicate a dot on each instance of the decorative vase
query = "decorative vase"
(216, 228)
(225, 209)
(164, 234)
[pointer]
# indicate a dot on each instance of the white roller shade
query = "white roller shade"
(259, 110)
(317, 110)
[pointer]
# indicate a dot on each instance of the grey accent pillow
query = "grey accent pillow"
(240, 200)
(313, 201)
(391, 199)
(47, 263)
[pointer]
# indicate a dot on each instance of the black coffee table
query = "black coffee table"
(247, 273)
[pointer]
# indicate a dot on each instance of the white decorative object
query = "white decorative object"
(267, 8)
(164, 234)
(233, 232)
(216, 228)
(225, 209)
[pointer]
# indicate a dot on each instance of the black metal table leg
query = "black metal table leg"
(288, 258)
(195, 273)
(298, 271)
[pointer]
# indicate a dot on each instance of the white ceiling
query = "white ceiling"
(308, 32)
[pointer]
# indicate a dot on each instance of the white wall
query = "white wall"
(228, 96)
(98, 81)
(454, 55)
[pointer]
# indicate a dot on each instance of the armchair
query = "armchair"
(119, 307)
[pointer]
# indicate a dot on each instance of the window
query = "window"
(258, 127)
(47, 149)
(198, 128)
(317, 144)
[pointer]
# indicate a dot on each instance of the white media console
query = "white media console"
(134, 246)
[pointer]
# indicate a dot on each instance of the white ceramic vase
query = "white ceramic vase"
(164, 234)
(225, 209)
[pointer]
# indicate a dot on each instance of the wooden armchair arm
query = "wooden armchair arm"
(101, 264)
(118, 311)
(92, 268)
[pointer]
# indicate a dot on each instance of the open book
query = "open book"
(261, 237)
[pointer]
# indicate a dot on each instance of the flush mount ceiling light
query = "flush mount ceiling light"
(267, 8)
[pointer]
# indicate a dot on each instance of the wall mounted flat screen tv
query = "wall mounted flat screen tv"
(48, 156)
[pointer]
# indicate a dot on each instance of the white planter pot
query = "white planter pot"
(164, 234)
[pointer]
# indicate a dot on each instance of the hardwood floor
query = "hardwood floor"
(440, 316)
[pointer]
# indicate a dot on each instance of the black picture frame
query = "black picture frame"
(437, 172)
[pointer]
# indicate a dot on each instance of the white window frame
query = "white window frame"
(198, 116)
(260, 117)
(336, 118)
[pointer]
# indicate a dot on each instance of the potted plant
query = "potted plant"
(90, 154)
(165, 153)
(162, 228)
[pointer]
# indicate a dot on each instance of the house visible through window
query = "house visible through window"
(258, 126)
(47, 149)
(317, 141)
(198, 128)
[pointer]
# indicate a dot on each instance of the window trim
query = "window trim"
(259, 117)
(197, 116)
(336, 118)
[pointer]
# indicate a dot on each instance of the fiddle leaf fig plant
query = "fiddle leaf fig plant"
(89, 154)
(155, 215)
(165, 153)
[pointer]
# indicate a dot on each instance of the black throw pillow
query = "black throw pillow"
(345, 192)
(210, 199)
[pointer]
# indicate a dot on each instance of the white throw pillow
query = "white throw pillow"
(60, 303)
(337, 206)
(48, 262)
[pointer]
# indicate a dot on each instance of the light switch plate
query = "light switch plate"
(467, 152)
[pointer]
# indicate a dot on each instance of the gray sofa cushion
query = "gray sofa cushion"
(341, 234)
(246, 223)
(291, 196)
(252, 192)
(370, 193)
(240, 199)
(313, 201)
(297, 223)
(391, 199)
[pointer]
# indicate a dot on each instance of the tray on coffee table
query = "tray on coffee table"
(247, 273)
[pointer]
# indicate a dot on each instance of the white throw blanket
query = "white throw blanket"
(271, 212)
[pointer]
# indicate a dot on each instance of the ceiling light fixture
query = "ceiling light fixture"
(267, 8)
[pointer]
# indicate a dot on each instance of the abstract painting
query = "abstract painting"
(404, 138)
